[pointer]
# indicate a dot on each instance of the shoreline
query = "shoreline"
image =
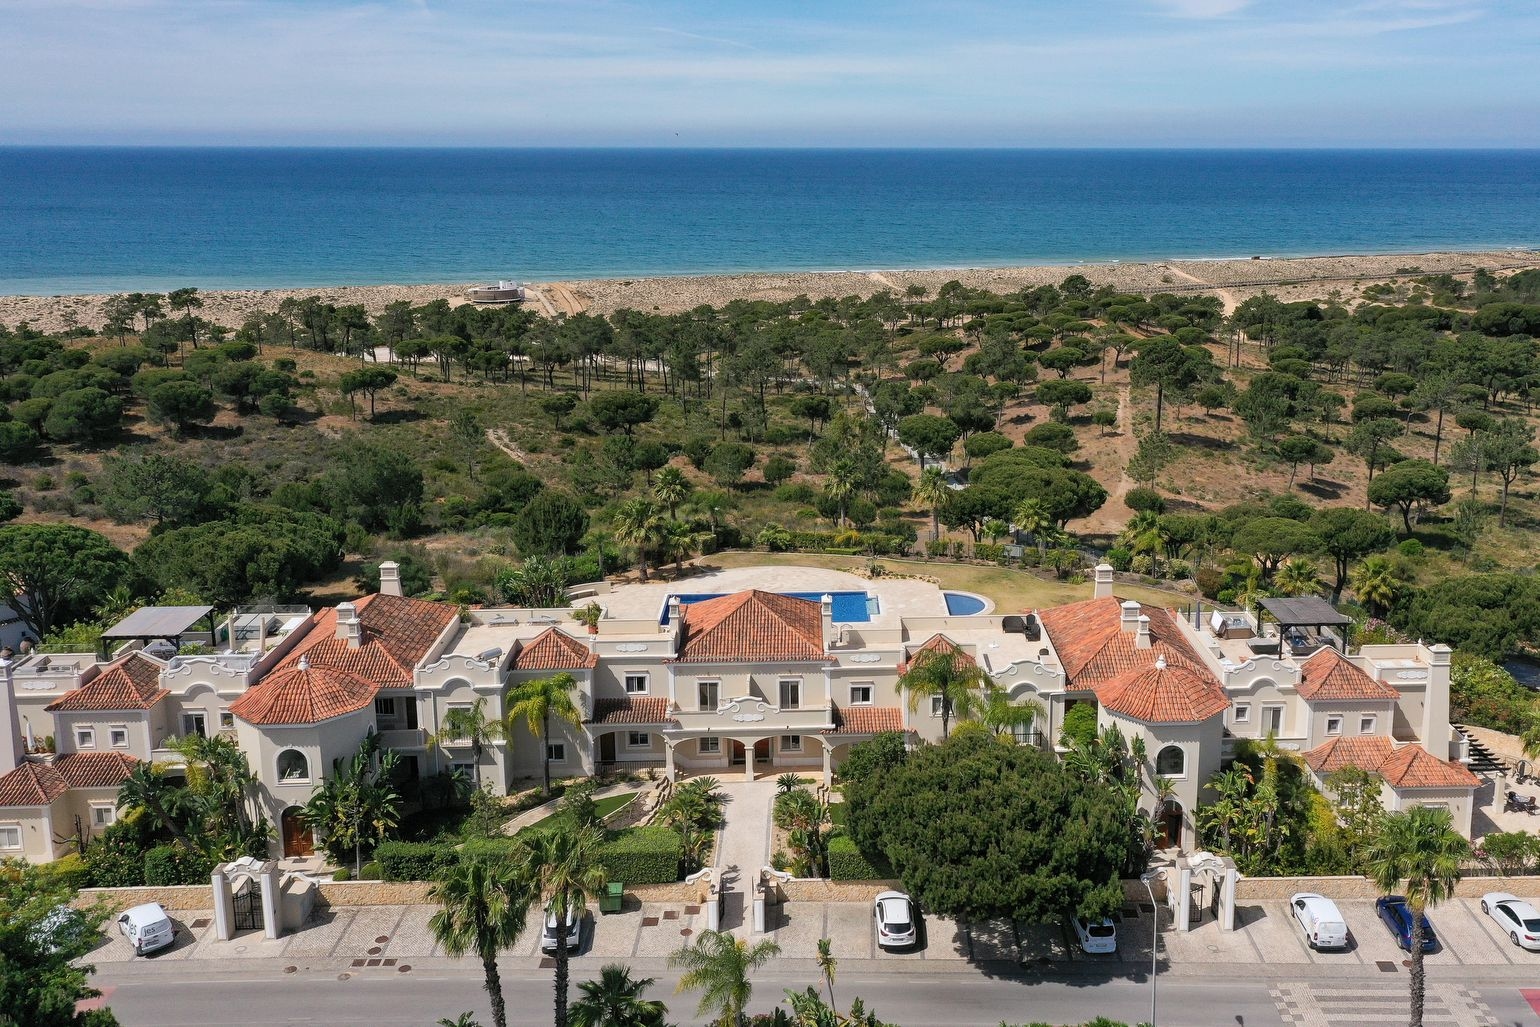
(1235, 278)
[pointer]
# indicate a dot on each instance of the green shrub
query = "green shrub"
(413, 861)
(167, 865)
(643, 855)
(371, 871)
(342, 874)
(848, 863)
(1410, 547)
(1120, 559)
(69, 870)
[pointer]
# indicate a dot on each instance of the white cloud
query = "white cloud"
(1202, 8)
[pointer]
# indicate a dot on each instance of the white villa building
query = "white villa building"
(751, 670)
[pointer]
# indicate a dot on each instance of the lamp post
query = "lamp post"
(1147, 877)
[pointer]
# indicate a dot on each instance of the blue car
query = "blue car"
(1397, 916)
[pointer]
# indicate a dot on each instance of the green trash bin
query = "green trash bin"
(614, 895)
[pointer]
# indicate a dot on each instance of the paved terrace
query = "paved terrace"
(896, 598)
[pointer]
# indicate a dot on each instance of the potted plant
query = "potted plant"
(589, 616)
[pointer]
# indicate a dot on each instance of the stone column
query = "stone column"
(748, 759)
(828, 763)
(668, 758)
(272, 903)
(224, 908)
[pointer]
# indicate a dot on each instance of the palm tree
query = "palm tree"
(670, 487)
(566, 866)
(144, 788)
(1144, 535)
(932, 490)
(537, 701)
(1420, 847)
(841, 485)
(615, 1000)
(637, 524)
(827, 964)
(1033, 517)
(949, 674)
(485, 905)
(678, 540)
(1298, 577)
(469, 727)
(718, 966)
(1003, 718)
(1376, 584)
(463, 1020)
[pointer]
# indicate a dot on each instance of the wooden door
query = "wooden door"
(298, 839)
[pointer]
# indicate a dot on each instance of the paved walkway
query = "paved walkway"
(744, 846)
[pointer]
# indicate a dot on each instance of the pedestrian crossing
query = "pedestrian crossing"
(1327, 1005)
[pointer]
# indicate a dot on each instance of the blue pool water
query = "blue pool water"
(959, 604)
(849, 607)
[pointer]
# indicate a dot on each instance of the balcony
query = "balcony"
(404, 738)
(751, 713)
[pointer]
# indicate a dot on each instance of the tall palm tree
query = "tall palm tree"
(718, 966)
(948, 674)
(1420, 847)
(615, 1000)
(637, 525)
(485, 905)
(1003, 717)
(841, 485)
(463, 1020)
(670, 487)
(538, 700)
(1375, 583)
(827, 965)
(1298, 577)
(565, 865)
(145, 788)
(1033, 517)
(932, 490)
(469, 727)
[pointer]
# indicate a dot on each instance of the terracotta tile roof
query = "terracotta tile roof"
(94, 769)
(1329, 676)
(304, 694)
(938, 644)
(32, 784)
(1410, 766)
(1093, 647)
(554, 650)
(866, 720)
(633, 709)
(1161, 693)
(397, 634)
(132, 683)
(751, 625)
(1366, 752)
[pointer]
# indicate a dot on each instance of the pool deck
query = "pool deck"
(896, 598)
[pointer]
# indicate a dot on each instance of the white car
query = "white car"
(1518, 919)
(1320, 919)
(549, 937)
(1098, 938)
(147, 928)
(895, 920)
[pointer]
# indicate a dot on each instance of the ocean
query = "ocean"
(82, 220)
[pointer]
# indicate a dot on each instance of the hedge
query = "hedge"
(413, 861)
(70, 870)
(167, 865)
(643, 855)
(848, 863)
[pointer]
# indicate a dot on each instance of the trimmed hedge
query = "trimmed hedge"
(644, 855)
(167, 865)
(413, 861)
(70, 870)
(848, 863)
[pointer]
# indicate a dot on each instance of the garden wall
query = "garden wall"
(172, 897)
(812, 889)
(1278, 889)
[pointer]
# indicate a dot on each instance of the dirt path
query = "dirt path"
(884, 281)
(566, 299)
(1113, 514)
(545, 301)
(1225, 296)
(499, 438)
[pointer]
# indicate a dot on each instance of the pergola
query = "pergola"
(155, 622)
(1306, 616)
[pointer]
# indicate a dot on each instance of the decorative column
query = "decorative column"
(224, 908)
(828, 763)
(668, 757)
(272, 902)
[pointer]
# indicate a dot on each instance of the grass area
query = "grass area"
(1011, 590)
(604, 807)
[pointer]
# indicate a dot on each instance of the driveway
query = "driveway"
(744, 845)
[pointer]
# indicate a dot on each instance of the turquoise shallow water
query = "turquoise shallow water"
(92, 220)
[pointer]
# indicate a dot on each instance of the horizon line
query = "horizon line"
(613, 147)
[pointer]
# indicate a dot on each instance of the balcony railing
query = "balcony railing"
(405, 738)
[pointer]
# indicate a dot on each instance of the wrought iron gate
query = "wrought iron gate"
(248, 907)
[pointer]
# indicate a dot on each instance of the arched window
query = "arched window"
(1172, 762)
(292, 766)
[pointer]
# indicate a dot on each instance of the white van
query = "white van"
(146, 927)
(1320, 920)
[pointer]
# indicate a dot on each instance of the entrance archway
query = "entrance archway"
(298, 839)
(738, 754)
(1170, 823)
(762, 751)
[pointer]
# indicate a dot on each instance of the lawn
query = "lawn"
(1011, 590)
(605, 806)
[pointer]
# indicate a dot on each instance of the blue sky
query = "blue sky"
(793, 73)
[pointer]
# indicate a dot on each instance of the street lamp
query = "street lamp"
(1147, 877)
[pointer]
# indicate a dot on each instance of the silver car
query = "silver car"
(549, 937)
(896, 927)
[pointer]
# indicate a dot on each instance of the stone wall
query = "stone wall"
(1350, 889)
(812, 889)
(679, 891)
(172, 897)
(374, 893)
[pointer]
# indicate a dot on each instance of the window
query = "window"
(293, 766)
(556, 752)
(1334, 725)
(386, 708)
(1272, 720)
(1172, 762)
(226, 720)
(707, 695)
(459, 710)
(118, 735)
(1367, 723)
(636, 684)
(103, 815)
(194, 724)
(1242, 713)
(10, 837)
(791, 694)
(85, 738)
(791, 743)
(708, 746)
(638, 740)
(935, 706)
(467, 769)
(860, 695)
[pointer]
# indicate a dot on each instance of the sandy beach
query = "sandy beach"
(1232, 280)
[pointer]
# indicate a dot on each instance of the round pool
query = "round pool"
(965, 604)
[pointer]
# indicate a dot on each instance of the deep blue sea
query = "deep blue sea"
(98, 220)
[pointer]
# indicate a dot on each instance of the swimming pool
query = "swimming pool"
(849, 607)
(964, 604)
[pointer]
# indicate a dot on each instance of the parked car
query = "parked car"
(1397, 917)
(62, 928)
(146, 927)
(1518, 919)
(1098, 938)
(1320, 919)
(549, 937)
(896, 927)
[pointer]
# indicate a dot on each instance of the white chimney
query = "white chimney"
(1437, 736)
(1103, 581)
(1130, 621)
(1142, 639)
(390, 578)
(11, 746)
(826, 615)
(1160, 663)
(348, 627)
